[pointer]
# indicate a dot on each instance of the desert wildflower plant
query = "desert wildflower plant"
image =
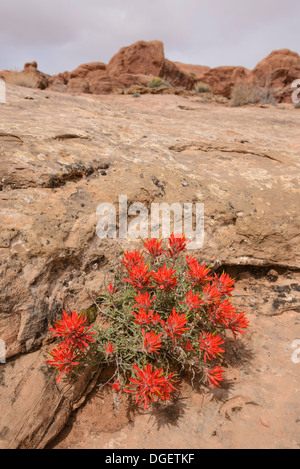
(166, 312)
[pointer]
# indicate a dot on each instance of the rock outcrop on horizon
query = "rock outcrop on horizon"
(137, 64)
(278, 71)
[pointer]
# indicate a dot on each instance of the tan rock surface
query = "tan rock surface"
(33, 406)
(62, 155)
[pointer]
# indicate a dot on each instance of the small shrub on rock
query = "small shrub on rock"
(201, 87)
(166, 312)
(243, 93)
(156, 82)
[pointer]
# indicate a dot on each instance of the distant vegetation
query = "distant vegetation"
(26, 79)
(201, 87)
(243, 93)
(156, 82)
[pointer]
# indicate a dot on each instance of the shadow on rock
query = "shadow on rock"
(168, 414)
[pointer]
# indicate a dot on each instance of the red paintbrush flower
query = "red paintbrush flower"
(155, 318)
(111, 289)
(189, 260)
(109, 349)
(192, 300)
(210, 345)
(210, 293)
(168, 388)
(188, 346)
(150, 383)
(177, 244)
(236, 323)
(197, 274)
(142, 318)
(153, 247)
(116, 385)
(146, 317)
(151, 342)
(175, 325)
(143, 300)
(132, 258)
(221, 311)
(139, 277)
(165, 278)
(64, 360)
(224, 284)
(213, 376)
(72, 328)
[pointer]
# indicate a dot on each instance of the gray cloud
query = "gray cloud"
(61, 34)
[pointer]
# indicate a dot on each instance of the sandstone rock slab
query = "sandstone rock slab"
(33, 406)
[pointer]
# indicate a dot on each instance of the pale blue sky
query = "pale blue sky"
(62, 34)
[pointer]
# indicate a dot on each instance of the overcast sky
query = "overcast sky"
(62, 34)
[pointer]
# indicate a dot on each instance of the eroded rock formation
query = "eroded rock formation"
(139, 63)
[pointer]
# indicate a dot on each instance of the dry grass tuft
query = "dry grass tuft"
(243, 93)
(201, 87)
(26, 79)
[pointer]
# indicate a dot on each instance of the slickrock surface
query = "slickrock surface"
(61, 156)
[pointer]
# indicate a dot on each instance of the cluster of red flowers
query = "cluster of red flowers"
(164, 278)
(76, 336)
(213, 375)
(63, 359)
(151, 342)
(139, 275)
(209, 295)
(177, 245)
(150, 383)
(176, 305)
(175, 325)
(153, 247)
(210, 345)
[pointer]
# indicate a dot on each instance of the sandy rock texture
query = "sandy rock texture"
(62, 155)
(33, 406)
